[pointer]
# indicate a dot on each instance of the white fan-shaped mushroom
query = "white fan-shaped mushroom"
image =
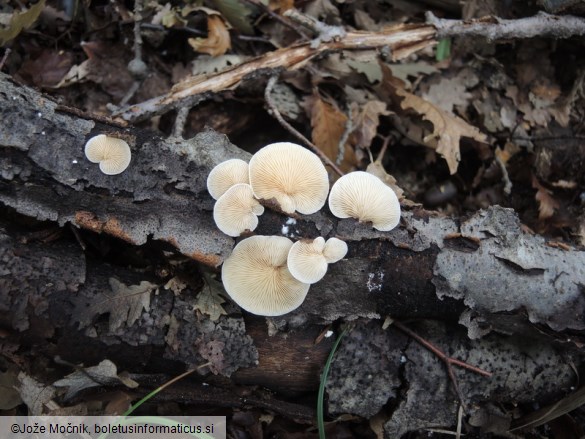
(111, 153)
(363, 196)
(308, 260)
(256, 277)
(292, 175)
(237, 210)
(225, 175)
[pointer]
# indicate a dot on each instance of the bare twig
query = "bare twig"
(383, 149)
(341, 145)
(402, 40)
(323, 32)
(449, 362)
(136, 66)
(180, 121)
(277, 17)
(505, 176)
(274, 111)
(493, 28)
(78, 237)
(137, 33)
(131, 91)
(5, 57)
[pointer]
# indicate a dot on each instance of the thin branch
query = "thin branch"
(274, 112)
(494, 28)
(5, 57)
(137, 68)
(505, 176)
(402, 41)
(449, 362)
(180, 121)
(277, 17)
(137, 33)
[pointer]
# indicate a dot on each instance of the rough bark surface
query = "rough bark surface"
(484, 272)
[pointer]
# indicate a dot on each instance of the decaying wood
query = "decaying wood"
(517, 297)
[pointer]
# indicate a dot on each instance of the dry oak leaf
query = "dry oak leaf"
(210, 298)
(104, 374)
(218, 39)
(328, 123)
(366, 122)
(124, 304)
(448, 128)
(212, 351)
(546, 203)
(34, 394)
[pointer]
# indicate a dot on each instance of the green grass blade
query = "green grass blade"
(321, 396)
(443, 49)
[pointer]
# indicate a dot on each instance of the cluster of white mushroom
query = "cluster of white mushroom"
(271, 275)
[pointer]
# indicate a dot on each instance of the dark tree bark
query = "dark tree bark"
(517, 296)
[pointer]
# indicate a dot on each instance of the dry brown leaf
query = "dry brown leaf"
(546, 203)
(213, 352)
(328, 124)
(9, 397)
(378, 170)
(448, 93)
(366, 122)
(124, 304)
(34, 394)
(210, 298)
(218, 38)
(448, 128)
(281, 5)
(104, 374)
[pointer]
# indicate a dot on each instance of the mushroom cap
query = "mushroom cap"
(111, 153)
(292, 175)
(365, 197)
(306, 261)
(256, 277)
(225, 175)
(335, 250)
(237, 210)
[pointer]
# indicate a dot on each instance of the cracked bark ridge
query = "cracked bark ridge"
(511, 270)
(376, 369)
(162, 195)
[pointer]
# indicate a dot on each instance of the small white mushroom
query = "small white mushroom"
(335, 250)
(365, 197)
(225, 175)
(308, 260)
(292, 175)
(237, 210)
(256, 276)
(111, 153)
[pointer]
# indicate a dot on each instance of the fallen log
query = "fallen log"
(484, 272)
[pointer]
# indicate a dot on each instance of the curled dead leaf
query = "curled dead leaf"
(546, 203)
(218, 39)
